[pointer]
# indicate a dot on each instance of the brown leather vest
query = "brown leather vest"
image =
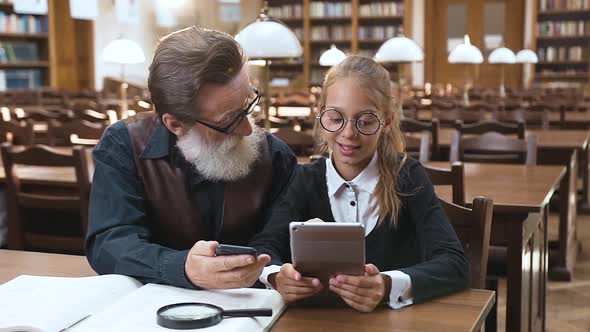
(173, 215)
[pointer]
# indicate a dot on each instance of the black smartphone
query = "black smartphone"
(227, 249)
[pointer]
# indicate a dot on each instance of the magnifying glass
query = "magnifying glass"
(194, 315)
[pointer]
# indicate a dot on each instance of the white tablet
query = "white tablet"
(325, 249)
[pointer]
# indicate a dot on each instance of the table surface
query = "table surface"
(511, 187)
(463, 311)
(546, 138)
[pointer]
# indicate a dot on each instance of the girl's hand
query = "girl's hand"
(363, 293)
(292, 286)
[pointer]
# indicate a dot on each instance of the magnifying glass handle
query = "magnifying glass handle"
(248, 312)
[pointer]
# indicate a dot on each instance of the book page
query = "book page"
(137, 311)
(53, 303)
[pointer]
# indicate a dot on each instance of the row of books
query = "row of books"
(559, 54)
(382, 9)
(334, 32)
(20, 79)
(18, 51)
(286, 11)
(379, 32)
(564, 4)
(330, 9)
(367, 53)
(23, 23)
(564, 28)
(569, 72)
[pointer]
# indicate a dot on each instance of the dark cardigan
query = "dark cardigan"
(422, 245)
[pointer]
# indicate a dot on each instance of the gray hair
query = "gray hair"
(186, 60)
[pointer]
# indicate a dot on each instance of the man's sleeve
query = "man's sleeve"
(119, 239)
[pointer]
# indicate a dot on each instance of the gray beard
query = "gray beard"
(229, 160)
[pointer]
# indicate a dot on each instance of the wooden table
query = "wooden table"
(573, 120)
(521, 195)
(559, 147)
(463, 311)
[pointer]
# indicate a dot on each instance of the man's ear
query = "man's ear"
(173, 124)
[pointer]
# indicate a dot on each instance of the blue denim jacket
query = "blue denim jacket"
(119, 238)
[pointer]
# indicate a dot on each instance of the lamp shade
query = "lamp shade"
(267, 38)
(332, 57)
(123, 51)
(502, 55)
(526, 56)
(465, 53)
(399, 49)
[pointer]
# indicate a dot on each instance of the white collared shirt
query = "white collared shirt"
(353, 202)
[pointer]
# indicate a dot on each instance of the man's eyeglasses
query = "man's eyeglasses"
(332, 120)
(236, 118)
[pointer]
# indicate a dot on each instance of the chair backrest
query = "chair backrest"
(92, 116)
(453, 177)
(28, 202)
(418, 147)
(84, 165)
(447, 118)
(493, 147)
(534, 119)
(486, 126)
(473, 229)
(476, 107)
(21, 131)
(301, 143)
(414, 126)
(59, 133)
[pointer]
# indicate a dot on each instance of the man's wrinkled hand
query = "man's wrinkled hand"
(208, 271)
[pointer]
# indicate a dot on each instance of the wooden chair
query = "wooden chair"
(447, 118)
(301, 143)
(60, 133)
(93, 116)
(453, 177)
(21, 132)
(45, 217)
(473, 228)
(494, 147)
(415, 126)
(486, 126)
(531, 119)
(418, 147)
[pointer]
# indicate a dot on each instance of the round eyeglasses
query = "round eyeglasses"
(367, 123)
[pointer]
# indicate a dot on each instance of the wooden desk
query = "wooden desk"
(573, 120)
(521, 195)
(559, 147)
(463, 311)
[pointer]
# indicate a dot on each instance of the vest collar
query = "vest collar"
(158, 145)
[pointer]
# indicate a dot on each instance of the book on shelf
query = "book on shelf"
(14, 23)
(118, 303)
(563, 5)
(330, 9)
(382, 9)
(290, 11)
(564, 28)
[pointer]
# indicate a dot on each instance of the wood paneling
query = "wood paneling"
(438, 70)
(71, 49)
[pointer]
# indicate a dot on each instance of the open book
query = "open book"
(118, 303)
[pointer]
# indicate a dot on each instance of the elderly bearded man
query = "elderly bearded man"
(170, 185)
